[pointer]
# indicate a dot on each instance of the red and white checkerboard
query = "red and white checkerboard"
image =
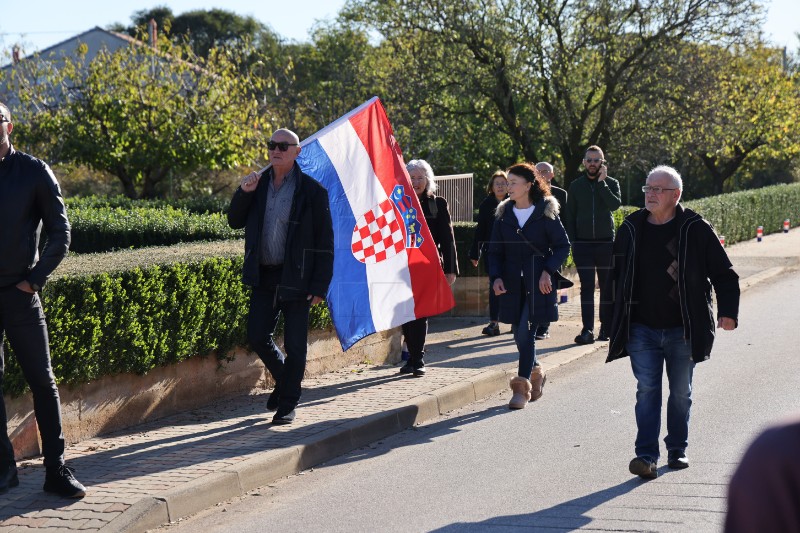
(377, 235)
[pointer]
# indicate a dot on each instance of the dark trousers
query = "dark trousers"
(22, 320)
(287, 370)
(494, 304)
(414, 334)
(494, 300)
(593, 258)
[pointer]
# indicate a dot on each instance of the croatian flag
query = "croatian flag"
(386, 266)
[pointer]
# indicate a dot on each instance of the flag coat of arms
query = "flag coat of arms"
(386, 265)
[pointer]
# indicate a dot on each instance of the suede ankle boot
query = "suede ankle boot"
(538, 378)
(521, 389)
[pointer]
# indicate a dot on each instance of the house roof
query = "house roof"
(104, 34)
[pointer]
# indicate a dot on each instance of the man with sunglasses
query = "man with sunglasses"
(30, 199)
(666, 259)
(592, 199)
(288, 262)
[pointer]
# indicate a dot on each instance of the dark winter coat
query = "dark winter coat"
(702, 263)
(560, 195)
(483, 231)
(30, 199)
(437, 216)
(308, 259)
(512, 258)
(590, 203)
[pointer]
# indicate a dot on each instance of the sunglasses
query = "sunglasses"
(594, 160)
(282, 146)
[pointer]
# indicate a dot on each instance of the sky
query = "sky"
(37, 24)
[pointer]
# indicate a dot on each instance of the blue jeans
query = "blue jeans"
(649, 349)
(525, 337)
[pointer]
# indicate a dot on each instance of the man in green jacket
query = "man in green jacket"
(591, 199)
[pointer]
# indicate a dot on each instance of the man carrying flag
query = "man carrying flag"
(386, 266)
(288, 262)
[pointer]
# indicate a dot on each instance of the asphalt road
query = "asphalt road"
(561, 463)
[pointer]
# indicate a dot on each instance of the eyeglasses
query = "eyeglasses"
(656, 190)
(282, 146)
(593, 160)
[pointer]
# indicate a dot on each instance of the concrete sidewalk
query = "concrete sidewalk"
(177, 466)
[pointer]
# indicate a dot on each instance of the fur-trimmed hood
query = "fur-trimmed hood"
(551, 207)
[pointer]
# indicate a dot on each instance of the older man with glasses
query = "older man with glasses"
(288, 262)
(666, 259)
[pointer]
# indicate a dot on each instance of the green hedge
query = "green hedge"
(737, 215)
(99, 229)
(143, 313)
(198, 205)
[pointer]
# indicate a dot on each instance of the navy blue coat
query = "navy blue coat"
(545, 247)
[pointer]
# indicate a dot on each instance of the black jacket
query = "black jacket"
(702, 263)
(308, 260)
(30, 199)
(483, 231)
(541, 244)
(560, 195)
(587, 216)
(437, 216)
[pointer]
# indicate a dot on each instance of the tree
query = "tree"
(201, 29)
(556, 72)
(144, 115)
(725, 108)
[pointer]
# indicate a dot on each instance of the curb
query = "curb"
(271, 465)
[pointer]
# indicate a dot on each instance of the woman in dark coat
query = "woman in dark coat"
(527, 247)
(437, 216)
(496, 192)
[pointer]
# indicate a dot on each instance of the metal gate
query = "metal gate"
(457, 190)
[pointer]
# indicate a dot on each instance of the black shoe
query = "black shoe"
(586, 337)
(8, 477)
(678, 460)
(643, 467)
(419, 371)
(541, 334)
(492, 330)
(283, 416)
(407, 368)
(60, 480)
(273, 400)
(603, 335)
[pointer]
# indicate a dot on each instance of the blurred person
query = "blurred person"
(592, 199)
(288, 262)
(496, 192)
(764, 492)
(546, 172)
(30, 199)
(666, 260)
(527, 247)
(437, 216)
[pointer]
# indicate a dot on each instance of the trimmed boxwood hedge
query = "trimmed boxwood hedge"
(152, 307)
(100, 229)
